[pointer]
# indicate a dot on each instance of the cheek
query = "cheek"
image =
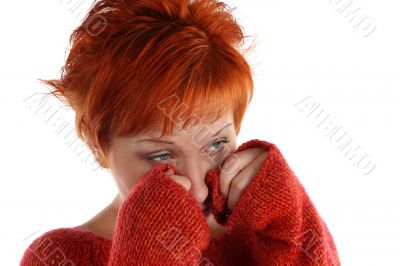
(232, 145)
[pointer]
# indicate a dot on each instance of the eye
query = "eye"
(219, 142)
(159, 156)
(163, 157)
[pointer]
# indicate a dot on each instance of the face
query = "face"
(193, 152)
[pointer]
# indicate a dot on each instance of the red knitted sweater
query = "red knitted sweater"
(160, 223)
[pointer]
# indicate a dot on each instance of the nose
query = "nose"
(196, 171)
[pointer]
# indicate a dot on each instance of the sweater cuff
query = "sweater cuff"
(270, 195)
(159, 222)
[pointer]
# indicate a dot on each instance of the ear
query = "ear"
(96, 154)
(95, 151)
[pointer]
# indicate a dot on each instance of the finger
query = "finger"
(242, 180)
(233, 165)
(169, 171)
(183, 181)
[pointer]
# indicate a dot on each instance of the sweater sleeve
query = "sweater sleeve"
(63, 246)
(277, 210)
(159, 223)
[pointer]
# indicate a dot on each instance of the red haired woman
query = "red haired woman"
(159, 89)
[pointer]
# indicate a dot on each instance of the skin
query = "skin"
(193, 153)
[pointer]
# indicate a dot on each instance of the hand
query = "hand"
(237, 172)
(181, 180)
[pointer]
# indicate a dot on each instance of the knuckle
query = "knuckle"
(237, 184)
(183, 181)
(230, 163)
(186, 180)
(224, 180)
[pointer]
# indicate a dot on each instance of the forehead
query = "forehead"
(191, 130)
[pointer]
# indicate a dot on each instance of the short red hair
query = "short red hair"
(120, 80)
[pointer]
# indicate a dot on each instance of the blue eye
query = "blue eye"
(162, 155)
(165, 156)
(220, 142)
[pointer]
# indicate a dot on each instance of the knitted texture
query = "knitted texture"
(160, 223)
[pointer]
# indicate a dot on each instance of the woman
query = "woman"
(159, 89)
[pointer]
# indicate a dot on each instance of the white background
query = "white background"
(305, 50)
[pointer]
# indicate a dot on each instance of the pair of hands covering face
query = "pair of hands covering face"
(236, 174)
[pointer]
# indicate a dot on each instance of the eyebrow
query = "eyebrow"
(171, 142)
